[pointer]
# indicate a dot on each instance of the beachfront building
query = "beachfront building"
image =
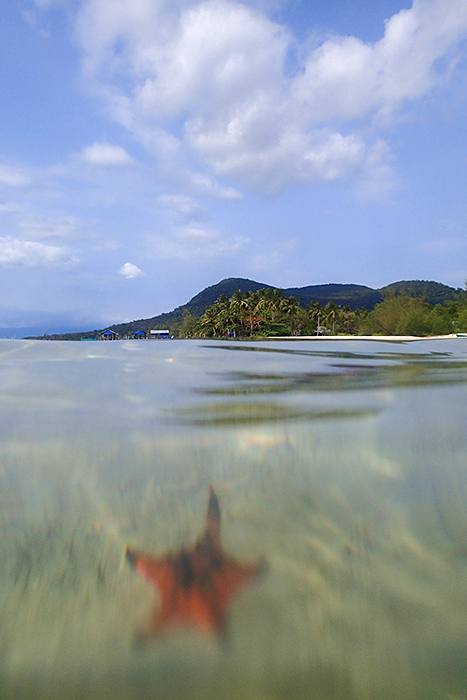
(139, 335)
(157, 335)
(109, 335)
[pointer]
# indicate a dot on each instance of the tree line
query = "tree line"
(267, 312)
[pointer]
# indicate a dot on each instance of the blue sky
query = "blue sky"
(151, 148)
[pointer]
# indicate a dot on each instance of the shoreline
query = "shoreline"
(380, 338)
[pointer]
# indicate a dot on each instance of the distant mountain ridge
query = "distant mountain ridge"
(355, 295)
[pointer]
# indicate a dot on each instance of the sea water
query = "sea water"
(341, 463)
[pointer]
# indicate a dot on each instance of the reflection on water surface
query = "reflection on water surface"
(343, 465)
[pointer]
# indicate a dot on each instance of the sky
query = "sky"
(151, 148)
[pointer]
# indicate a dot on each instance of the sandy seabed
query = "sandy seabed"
(358, 602)
(361, 518)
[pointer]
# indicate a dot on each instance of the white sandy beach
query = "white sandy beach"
(384, 338)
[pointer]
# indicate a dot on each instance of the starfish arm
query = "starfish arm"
(196, 586)
(213, 520)
(233, 576)
(160, 572)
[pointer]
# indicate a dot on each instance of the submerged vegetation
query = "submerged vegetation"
(266, 312)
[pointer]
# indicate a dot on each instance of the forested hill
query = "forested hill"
(198, 305)
(432, 292)
(353, 295)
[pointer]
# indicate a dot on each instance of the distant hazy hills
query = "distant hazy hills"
(355, 295)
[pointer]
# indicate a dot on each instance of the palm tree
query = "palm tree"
(236, 310)
(315, 311)
(290, 308)
(251, 319)
(208, 322)
(330, 311)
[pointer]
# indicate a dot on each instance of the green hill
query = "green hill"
(198, 305)
(432, 292)
(354, 295)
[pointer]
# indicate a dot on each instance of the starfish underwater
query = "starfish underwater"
(197, 585)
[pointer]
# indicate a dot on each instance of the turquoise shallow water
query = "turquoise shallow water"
(342, 464)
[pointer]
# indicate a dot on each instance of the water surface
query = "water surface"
(342, 464)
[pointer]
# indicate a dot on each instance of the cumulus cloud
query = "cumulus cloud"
(130, 271)
(347, 79)
(214, 80)
(14, 251)
(106, 154)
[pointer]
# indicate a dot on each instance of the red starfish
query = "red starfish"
(196, 586)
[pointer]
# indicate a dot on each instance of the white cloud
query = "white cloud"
(130, 271)
(11, 208)
(273, 257)
(192, 243)
(187, 207)
(219, 88)
(47, 227)
(206, 185)
(346, 79)
(221, 53)
(106, 155)
(378, 179)
(182, 204)
(33, 254)
(13, 177)
(296, 156)
(210, 78)
(24, 228)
